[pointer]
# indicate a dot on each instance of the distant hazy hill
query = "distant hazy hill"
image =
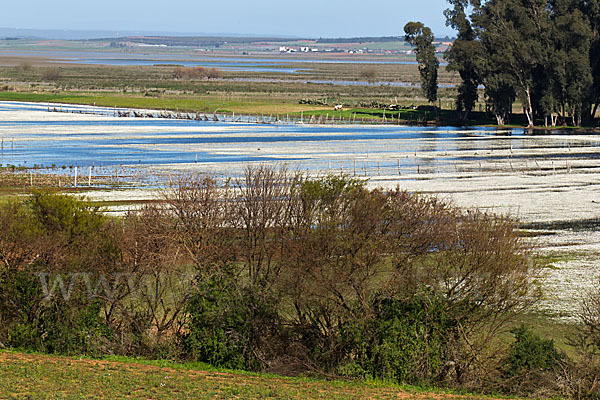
(175, 38)
(197, 41)
(370, 39)
(361, 39)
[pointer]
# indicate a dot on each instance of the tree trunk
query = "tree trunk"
(529, 109)
(594, 111)
(464, 116)
(500, 119)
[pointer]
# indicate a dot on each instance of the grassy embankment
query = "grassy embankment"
(53, 377)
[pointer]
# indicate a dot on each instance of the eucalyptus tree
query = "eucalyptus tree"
(570, 64)
(591, 9)
(463, 57)
(516, 38)
(421, 37)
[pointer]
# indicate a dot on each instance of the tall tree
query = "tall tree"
(462, 57)
(570, 69)
(421, 37)
(591, 9)
(515, 34)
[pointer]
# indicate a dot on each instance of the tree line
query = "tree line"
(545, 54)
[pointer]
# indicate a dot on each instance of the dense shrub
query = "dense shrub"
(273, 271)
(45, 241)
(532, 364)
(405, 341)
(51, 74)
(231, 326)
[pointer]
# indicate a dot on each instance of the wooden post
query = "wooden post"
(90, 178)
(75, 177)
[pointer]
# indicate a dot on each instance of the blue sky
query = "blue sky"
(309, 18)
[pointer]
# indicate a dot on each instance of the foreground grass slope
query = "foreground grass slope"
(51, 377)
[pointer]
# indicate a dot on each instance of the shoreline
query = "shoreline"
(264, 118)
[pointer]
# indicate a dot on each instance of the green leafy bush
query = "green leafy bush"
(532, 364)
(230, 325)
(406, 341)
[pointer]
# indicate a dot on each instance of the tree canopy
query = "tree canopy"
(544, 53)
(422, 38)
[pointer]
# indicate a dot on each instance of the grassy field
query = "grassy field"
(242, 92)
(24, 376)
(256, 106)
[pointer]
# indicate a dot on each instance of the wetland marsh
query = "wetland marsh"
(551, 182)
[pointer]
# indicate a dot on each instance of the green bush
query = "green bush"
(532, 363)
(52, 325)
(529, 352)
(230, 325)
(407, 340)
(46, 237)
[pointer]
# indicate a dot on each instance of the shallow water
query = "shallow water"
(233, 63)
(539, 178)
(31, 135)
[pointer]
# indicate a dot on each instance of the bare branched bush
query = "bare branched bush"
(276, 271)
(337, 256)
(51, 74)
(196, 73)
(214, 73)
(582, 380)
(369, 74)
(25, 66)
(158, 278)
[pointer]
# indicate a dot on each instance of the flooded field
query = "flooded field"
(551, 182)
(278, 64)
